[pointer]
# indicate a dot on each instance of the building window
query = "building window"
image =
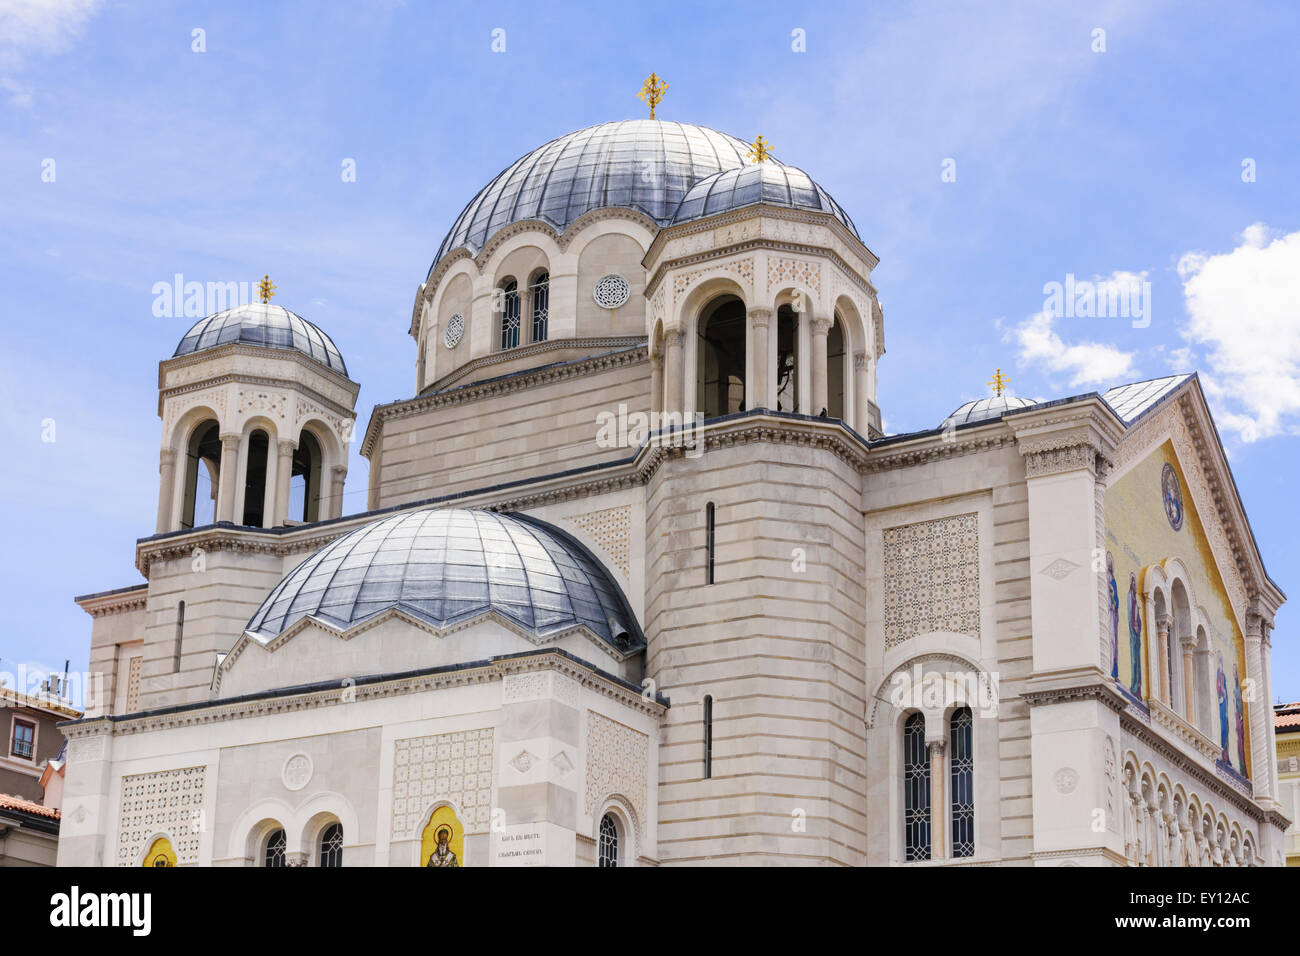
(608, 841)
(709, 541)
(274, 855)
(510, 315)
(331, 845)
(541, 291)
(963, 782)
(23, 744)
(180, 630)
(708, 737)
(916, 790)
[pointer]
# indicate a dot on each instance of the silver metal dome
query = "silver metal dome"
(646, 165)
(985, 409)
(447, 565)
(770, 182)
(267, 325)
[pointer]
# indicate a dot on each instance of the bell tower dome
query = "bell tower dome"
(257, 413)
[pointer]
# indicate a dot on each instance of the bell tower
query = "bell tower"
(257, 414)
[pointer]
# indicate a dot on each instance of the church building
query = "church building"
(640, 580)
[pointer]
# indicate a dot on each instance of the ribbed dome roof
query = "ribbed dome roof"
(267, 325)
(450, 564)
(985, 409)
(768, 182)
(646, 165)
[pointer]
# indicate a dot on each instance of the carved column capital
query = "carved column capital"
(286, 447)
(760, 317)
(821, 325)
(860, 361)
(339, 472)
(229, 442)
(166, 458)
(673, 338)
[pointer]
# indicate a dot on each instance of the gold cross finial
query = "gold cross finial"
(760, 151)
(652, 92)
(265, 289)
(999, 382)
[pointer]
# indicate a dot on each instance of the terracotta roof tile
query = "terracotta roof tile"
(27, 806)
(1286, 716)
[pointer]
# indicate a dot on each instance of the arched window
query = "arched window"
(202, 470)
(960, 728)
(608, 841)
(273, 855)
(916, 790)
(708, 542)
(835, 370)
(708, 737)
(331, 845)
(541, 296)
(255, 479)
(510, 314)
(305, 479)
(720, 371)
(787, 359)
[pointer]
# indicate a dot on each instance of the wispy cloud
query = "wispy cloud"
(41, 27)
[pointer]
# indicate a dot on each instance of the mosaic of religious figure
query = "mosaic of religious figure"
(442, 842)
(1172, 493)
(1134, 636)
(1222, 686)
(442, 854)
(1113, 590)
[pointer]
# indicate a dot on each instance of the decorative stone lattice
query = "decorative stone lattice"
(455, 767)
(743, 268)
(170, 803)
(611, 529)
(617, 757)
(535, 685)
(270, 402)
(786, 271)
(133, 685)
(611, 291)
(932, 578)
(455, 329)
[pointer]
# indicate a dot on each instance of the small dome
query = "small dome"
(646, 165)
(267, 325)
(445, 565)
(770, 182)
(986, 409)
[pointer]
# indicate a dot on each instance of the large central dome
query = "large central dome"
(646, 165)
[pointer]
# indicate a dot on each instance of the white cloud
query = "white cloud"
(1243, 309)
(41, 26)
(1087, 363)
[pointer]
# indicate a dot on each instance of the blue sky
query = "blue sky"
(225, 164)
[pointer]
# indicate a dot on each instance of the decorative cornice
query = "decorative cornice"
(1188, 765)
(367, 689)
(115, 602)
(237, 539)
(932, 447)
(1100, 691)
(529, 378)
(608, 343)
(258, 351)
(217, 381)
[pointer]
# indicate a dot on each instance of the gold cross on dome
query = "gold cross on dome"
(760, 150)
(999, 382)
(265, 289)
(652, 92)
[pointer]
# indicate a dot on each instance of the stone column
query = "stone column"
(166, 488)
(757, 358)
(938, 801)
(1188, 644)
(673, 371)
(283, 472)
(820, 326)
(1257, 713)
(228, 477)
(1163, 623)
(337, 474)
